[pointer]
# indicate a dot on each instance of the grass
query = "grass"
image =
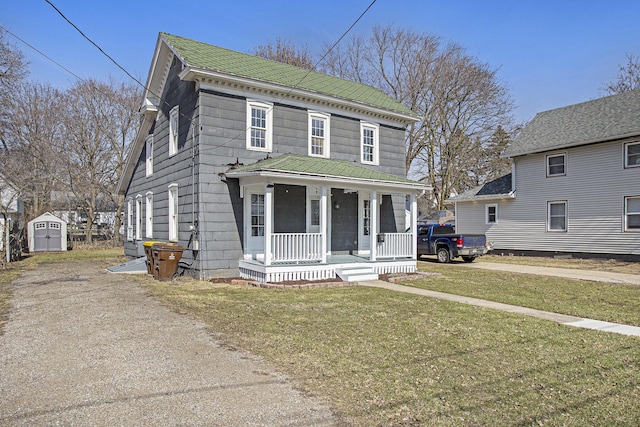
(602, 301)
(15, 269)
(390, 359)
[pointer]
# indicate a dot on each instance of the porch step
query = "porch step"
(356, 274)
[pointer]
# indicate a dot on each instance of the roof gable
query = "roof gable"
(498, 188)
(220, 60)
(604, 119)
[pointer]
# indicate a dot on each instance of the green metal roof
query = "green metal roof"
(315, 166)
(205, 56)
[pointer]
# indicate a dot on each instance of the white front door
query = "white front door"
(254, 224)
(364, 222)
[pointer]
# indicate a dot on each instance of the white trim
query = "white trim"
(130, 219)
(626, 155)
(376, 143)
(174, 130)
(566, 216)
(138, 219)
(174, 223)
(148, 231)
(486, 213)
(149, 155)
(564, 164)
(326, 137)
(268, 127)
(626, 214)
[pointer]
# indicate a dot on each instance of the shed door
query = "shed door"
(47, 236)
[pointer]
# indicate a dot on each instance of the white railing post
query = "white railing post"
(268, 222)
(414, 225)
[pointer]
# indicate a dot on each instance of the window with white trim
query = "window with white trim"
(174, 127)
(173, 212)
(149, 154)
(369, 136)
(138, 230)
(319, 134)
(148, 231)
(632, 155)
(130, 219)
(257, 215)
(632, 213)
(491, 214)
(556, 164)
(557, 216)
(259, 125)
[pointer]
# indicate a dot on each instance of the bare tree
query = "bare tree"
(459, 99)
(287, 53)
(628, 77)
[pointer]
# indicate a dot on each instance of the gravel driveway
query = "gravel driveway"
(87, 347)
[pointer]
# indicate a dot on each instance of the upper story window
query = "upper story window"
(319, 134)
(632, 155)
(259, 125)
(369, 142)
(632, 213)
(557, 216)
(149, 154)
(491, 214)
(556, 164)
(174, 124)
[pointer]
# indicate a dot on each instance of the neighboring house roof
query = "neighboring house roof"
(499, 188)
(325, 170)
(599, 120)
(204, 56)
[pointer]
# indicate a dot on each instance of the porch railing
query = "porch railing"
(296, 247)
(395, 245)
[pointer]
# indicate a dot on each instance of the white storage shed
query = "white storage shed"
(47, 233)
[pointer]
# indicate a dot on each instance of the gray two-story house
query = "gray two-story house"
(574, 186)
(268, 171)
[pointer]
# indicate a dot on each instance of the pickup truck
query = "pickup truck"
(441, 240)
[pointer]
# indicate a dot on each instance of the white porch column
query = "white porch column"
(268, 222)
(373, 226)
(323, 224)
(413, 209)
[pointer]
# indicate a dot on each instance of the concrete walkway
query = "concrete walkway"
(540, 314)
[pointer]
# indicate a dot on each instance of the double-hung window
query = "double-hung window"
(138, 231)
(369, 137)
(174, 125)
(318, 134)
(491, 214)
(130, 219)
(257, 215)
(149, 215)
(632, 213)
(259, 125)
(556, 164)
(173, 212)
(557, 216)
(632, 155)
(149, 154)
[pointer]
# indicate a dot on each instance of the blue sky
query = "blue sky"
(550, 53)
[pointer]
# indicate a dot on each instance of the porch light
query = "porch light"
(336, 205)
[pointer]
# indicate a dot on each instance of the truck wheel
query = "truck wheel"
(468, 258)
(443, 255)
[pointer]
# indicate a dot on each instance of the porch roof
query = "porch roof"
(327, 170)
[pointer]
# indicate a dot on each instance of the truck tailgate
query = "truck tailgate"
(474, 241)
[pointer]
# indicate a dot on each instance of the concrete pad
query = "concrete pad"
(606, 327)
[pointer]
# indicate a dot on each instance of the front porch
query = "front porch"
(315, 270)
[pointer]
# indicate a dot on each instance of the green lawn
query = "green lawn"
(393, 359)
(595, 300)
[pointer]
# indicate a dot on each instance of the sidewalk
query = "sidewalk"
(560, 318)
(570, 273)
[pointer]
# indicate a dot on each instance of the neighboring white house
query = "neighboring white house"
(574, 186)
(11, 210)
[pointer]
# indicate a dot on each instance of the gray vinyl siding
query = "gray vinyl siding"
(594, 188)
